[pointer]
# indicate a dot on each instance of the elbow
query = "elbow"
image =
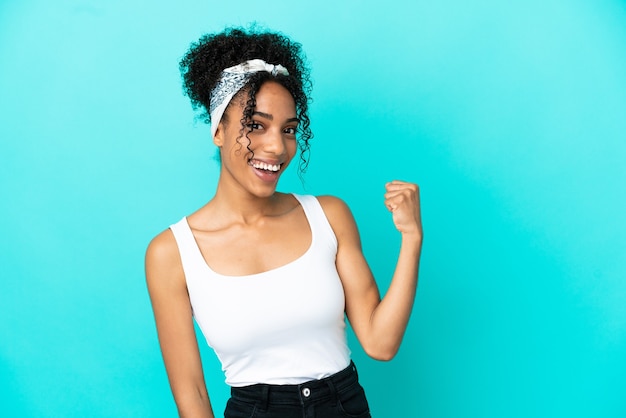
(381, 353)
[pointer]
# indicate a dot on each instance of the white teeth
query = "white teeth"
(264, 166)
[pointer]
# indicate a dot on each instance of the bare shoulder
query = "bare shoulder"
(338, 214)
(333, 206)
(336, 210)
(162, 247)
(162, 258)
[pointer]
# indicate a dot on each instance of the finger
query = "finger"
(394, 184)
(406, 192)
(400, 185)
(402, 203)
(395, 193)
(398, 182)
(397, 202)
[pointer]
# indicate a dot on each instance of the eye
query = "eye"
(290, 130)
(253, 126)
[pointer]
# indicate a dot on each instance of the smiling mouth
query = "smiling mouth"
(260, 165)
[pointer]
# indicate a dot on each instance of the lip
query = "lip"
(264, 175)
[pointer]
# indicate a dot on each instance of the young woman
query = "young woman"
(268, 276)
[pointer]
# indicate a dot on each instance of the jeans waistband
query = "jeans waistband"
(304, 393)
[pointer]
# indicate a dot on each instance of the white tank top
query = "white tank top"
(282, 326)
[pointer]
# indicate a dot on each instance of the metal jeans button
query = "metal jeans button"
(306, 392)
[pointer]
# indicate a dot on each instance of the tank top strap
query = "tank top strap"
(190, 254)
(320, 226)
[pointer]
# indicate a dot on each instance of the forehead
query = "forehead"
(274, 94)
(272, 97)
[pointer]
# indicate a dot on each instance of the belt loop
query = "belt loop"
(265, 397)
(333, 391)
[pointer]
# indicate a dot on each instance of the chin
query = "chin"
(262, 192)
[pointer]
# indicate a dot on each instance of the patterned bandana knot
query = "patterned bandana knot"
(231, 81)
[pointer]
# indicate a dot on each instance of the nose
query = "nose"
(274, 143)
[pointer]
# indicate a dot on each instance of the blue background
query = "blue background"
(510, 115)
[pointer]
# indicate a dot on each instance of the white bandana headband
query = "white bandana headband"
(231, 81)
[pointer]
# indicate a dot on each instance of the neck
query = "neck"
(242, 206)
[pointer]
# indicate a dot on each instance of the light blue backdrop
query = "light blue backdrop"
(510, 115)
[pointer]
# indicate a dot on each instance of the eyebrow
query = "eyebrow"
(270, 117)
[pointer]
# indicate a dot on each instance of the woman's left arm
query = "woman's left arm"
(379, 324)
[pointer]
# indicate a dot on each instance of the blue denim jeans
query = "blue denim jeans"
(339, 395)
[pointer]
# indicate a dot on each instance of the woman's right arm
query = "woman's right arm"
(174, 322)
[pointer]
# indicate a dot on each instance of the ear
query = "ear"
(218, 138)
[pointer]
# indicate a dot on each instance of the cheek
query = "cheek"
(292, 147)
(239, 148)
